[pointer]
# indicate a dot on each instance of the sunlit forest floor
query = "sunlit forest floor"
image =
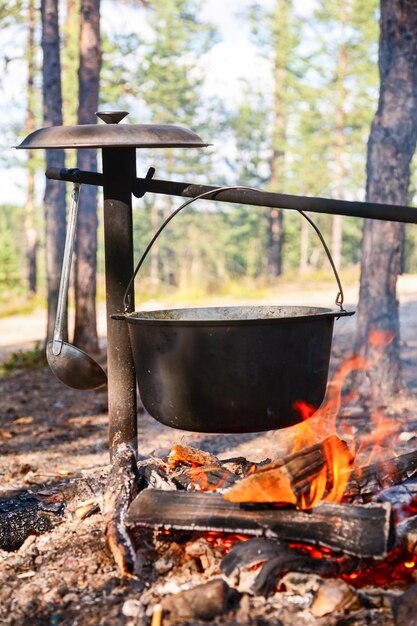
(49, 433)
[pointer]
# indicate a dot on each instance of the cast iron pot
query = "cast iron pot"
(231, 369)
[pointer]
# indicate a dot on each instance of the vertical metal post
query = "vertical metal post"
(119, 173)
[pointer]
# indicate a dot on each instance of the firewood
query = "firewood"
(186, 455)
(293, 560)
(276, 559)
(292, 480)
(366, 481)
(400, 496)
(121, 488)
(205, 478)
(358, 530)
(240, 466)
(23, 513)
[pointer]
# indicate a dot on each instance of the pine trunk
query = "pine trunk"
(391, 146)
(85, 335)
(275, 216)
(31, 233)
(55, 218)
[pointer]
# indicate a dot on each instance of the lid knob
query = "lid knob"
(112, 117)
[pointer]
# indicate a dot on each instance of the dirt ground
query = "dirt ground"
(49, 434)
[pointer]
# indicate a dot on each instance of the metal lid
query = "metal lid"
(113, 135)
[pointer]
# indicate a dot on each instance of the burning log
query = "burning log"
(358, 530)
(206, 478)
(121, 488)
(302, 478)
(366, 481)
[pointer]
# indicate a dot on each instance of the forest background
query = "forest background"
(285, 90)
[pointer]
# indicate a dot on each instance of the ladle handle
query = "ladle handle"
(66, 270)
(126, 303)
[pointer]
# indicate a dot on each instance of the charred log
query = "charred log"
(278, 558)
(25, 514)
(366, 481)
(360, 530)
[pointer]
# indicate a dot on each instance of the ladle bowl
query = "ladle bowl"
(75, 368)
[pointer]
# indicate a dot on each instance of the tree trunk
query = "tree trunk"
(391, 146)
(85, 335)
(31, 233)
(275, 217)
(337, 226)
(55, 219)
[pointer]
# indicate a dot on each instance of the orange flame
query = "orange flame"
(330, 484)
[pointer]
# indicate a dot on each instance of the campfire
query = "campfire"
(330, 518)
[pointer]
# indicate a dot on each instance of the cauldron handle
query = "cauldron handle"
(126, 303)
(340, 298)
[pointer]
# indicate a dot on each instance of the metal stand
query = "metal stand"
(119, 172)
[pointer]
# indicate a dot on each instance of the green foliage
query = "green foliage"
(159, 75)
(11, 249)
(23, 360)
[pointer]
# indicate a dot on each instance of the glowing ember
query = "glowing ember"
(224, 541)
(397, 568)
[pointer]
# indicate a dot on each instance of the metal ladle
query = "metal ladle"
(72, 366)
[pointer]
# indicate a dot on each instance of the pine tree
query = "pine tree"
(31, 233)
(170, 82)
(391, 147)
(346, 36)
(277, 37)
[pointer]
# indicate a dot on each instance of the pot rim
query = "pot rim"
(303, 314)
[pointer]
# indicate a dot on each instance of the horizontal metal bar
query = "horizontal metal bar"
(75, 176)
(372, 210)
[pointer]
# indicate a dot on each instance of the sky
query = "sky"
(229, 60)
